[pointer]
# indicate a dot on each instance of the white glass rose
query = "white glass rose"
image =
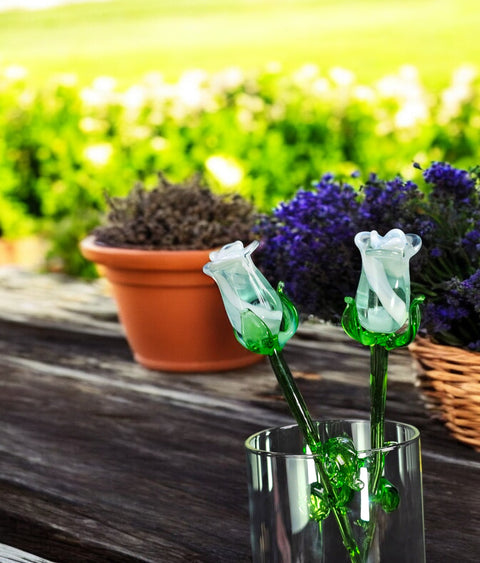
(383, 294)
(263, 319)
(243, 287)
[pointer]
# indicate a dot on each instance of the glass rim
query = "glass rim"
(387, 448)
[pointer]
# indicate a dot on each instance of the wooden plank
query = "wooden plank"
(11, 555)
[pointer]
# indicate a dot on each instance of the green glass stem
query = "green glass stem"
(378, 396)
(302, 416)
(295, 400)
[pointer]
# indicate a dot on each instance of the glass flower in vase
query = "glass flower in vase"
(383, 294)
(324, 491)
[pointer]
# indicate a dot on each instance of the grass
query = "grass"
(126, 39)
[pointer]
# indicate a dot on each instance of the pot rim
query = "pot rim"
(135, 258)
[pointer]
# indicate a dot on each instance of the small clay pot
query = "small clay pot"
(172, 313)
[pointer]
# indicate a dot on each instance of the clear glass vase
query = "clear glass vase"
(284, 521)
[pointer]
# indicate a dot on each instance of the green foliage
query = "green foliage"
(264, 135)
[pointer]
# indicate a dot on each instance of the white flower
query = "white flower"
(383, 294)
(227, 80)
(305, 75)
(243, 287)
(92, 97)
(15, 73)
(98, 154)
(104, 84)
(92, 125)
(364, 94)
(342, 76)
(159, 144)
(134, 98)
(459, 94)
(321, 87)
(226, 170)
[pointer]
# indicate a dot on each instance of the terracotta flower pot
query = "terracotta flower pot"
(171, 311)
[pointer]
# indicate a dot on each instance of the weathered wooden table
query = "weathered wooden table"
(104, 461)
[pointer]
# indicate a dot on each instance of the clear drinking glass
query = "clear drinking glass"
(280, 478)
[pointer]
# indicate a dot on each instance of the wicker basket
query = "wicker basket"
(450, 381)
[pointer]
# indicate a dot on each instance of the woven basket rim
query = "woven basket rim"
(449, 378)
(450, 351)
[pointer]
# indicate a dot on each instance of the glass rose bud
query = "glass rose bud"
(383, 294)
(261, 317)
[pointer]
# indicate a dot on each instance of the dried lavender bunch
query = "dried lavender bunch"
(184, 216)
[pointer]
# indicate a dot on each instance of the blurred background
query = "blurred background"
(262, 96)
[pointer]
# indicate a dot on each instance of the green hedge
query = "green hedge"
(263, 134)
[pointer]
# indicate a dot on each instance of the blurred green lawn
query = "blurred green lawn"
(127, 38)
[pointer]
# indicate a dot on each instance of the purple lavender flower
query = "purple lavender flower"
(439, 317)
(470, 291)
(450, 183)
(308, 243)
(471, 243)
(452, 317)
(389, 204)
